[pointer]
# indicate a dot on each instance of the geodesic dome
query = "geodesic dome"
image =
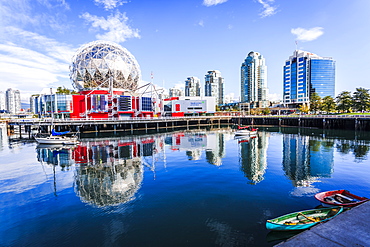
(96, 64)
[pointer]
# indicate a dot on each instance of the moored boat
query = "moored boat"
(302, 220)
(65, 140)
(340, 198)
(57, 138)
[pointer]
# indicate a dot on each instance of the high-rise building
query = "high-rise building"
(176, 92)
(214, 86)
(192, 87)
(306, 73)
(13, 100)
(2, 101)
(254, 80)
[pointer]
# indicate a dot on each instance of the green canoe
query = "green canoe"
(302, 220)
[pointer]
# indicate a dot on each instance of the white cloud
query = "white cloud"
(39, 13)
(34, 63)
(201, 23)
(116, 27)
(268, 9)
(213, 2)
(110, 4)
(307, 34)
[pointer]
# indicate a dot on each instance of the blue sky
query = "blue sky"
(177, 39)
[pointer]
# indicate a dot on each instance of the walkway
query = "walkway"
(351, 228)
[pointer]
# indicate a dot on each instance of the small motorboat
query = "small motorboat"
(339, 198)
(302, 220)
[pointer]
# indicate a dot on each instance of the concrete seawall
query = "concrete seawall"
(351, 228)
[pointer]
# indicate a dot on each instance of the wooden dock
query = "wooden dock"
(146, 125)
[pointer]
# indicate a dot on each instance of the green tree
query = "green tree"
(63, 90)
(361, 99)
(344, 101)
(328, 104)
(266, 111)
(315, 102)
(304, 108)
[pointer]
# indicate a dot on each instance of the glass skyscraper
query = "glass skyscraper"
(192, 87)
(214, 86)
(253, 80)
(306, 73)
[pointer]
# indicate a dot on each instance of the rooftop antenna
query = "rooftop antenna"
(296, 45)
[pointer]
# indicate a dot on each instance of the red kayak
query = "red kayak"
(340, 198)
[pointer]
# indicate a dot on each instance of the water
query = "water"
(198, 188)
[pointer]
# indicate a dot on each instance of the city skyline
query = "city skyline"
(40, 38)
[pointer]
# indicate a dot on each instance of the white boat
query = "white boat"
(65, 140)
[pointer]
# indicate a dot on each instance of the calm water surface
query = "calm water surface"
(195, 188)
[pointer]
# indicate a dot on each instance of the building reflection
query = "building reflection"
(57, 155)
(3, 136)
(306, 159)
(194, 143)
(253, 156)
(111, 171)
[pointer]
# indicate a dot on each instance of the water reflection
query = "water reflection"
(193, 143)
(360, 148)
(3, 136)
(305, 160)
(253, 156)
(111, 171)
(55, 155)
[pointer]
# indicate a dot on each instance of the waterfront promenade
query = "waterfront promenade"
(351, 228)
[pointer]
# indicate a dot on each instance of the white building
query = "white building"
(13, 100)
(176, 92)
(254, 80)
(2, 101)
(192, 87)
(214, 86)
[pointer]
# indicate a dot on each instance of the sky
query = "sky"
(176, 39)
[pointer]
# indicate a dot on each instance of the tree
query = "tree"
(315, 102)
(266, 111)
(344, 101)
(63, 90)
(361, 99)
(328, 104)
(304, 108)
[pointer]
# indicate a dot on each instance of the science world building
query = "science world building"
(106, 77)
(306, 73)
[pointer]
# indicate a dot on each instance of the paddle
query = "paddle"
(309, 218)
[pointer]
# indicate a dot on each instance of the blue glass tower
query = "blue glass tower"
(306, 73)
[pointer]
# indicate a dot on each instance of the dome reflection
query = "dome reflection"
(109, 185)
